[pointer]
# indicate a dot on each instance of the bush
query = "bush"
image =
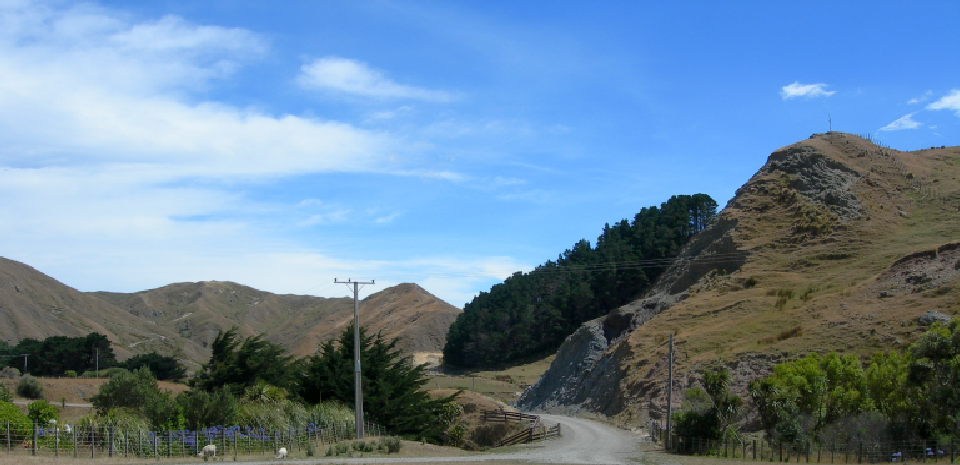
(19, 423)
(5, 394)
(42, 412)
(9, 373)
(70, 374)
(391, 443)
(30, 388)
(203, 409)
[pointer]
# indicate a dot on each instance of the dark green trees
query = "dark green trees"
(530, 314)
(57, 354)
(163, 367)
(391, 385)
(709, 411)
(241, 364)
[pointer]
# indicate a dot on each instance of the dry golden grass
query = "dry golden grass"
(810, 293)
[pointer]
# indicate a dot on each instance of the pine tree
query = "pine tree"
(392, 394)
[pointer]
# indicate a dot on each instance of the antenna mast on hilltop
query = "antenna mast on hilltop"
(358, 392)
(830, 120)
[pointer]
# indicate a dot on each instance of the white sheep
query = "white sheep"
(282, 453)
(209, 450)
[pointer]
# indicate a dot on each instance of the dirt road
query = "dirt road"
(583, 442)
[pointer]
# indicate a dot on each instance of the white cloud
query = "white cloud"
(80, 87)
(950, 101)
(923, 98)
(904, 122)
(805, 90)
(343, 75)
(335, 216)
(388, 218)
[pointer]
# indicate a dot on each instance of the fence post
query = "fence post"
(75, 454)
(91, 440)
(126, 442)
(781, 450)
(8, 437)
(726, 446)
(110, 448)
(56, 440)
(33, 446)
(860, 452)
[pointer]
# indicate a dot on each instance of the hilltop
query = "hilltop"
(836, 244)
(182, 319)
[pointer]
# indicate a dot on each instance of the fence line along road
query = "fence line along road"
(110, 441)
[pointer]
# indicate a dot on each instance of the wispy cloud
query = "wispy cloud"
(805, 90)
(343, 75)
(950, 101)
(335, 216)
(923, 98)
(904, 122)
(388, 218)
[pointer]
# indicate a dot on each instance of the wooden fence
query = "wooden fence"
(534, 431)
(501, 416)
(537, 432)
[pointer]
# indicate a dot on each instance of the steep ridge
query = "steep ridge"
(836, 243)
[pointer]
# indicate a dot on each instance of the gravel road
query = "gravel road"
(583, 442)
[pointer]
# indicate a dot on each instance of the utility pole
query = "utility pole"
(24, 363)
(666, 442)
(830, 120)
(98, 361)
(358, 392)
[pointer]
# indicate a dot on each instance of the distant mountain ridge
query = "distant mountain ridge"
(182, 319)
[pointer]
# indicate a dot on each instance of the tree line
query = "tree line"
(532, 313)
(904, 395)
(72, 356)
(256, 383)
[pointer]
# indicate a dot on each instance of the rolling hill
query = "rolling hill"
(183, 319)
(836, 244)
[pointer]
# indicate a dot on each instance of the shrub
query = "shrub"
(9, 373)
(391, 443)
(203, 409)
(70, 374)
(30, 388)
(5, 394)
(19, 423)
(42, 412)
(750, 282)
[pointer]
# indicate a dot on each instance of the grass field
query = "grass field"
(504, 385)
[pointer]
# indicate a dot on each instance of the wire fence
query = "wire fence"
(110, 441)
(829, 451)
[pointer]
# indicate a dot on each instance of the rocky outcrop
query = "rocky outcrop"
(818, 178)
(587, 369)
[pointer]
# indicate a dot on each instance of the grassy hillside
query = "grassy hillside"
(846, 244)
(182, 319)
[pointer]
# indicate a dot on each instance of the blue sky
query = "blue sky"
(285, 144)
